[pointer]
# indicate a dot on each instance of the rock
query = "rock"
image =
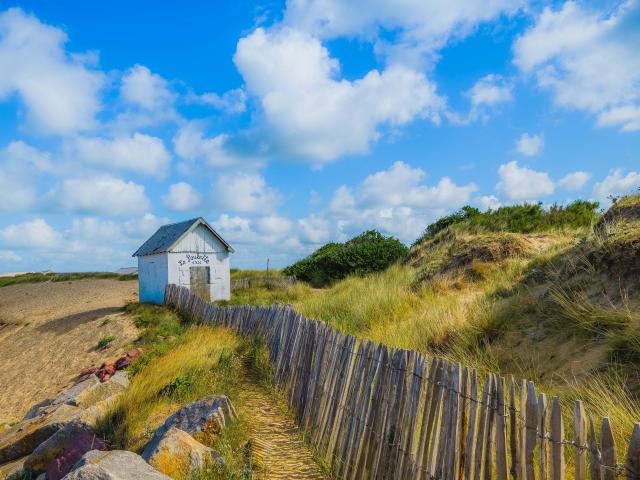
(24, 437)
(63, 449)
(106, 371)
(67, 396)
(113, 465)
(208, 415)
(12, 468)
(177, 453)
(101, 391)
(36, 409)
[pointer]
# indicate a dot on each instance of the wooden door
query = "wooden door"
(199, 282)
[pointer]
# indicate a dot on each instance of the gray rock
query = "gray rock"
(178, 453)
(67, 396)
(24, 437)
(208, 415)
(98, 392)
(113, 465)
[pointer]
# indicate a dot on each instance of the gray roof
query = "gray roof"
(168, 235)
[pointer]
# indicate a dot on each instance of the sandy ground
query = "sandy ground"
(49, 332)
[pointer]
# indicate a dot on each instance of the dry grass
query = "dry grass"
(199, 364)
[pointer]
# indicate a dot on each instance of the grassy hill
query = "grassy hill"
(548, 295)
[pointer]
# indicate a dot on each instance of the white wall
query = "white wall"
(152, 277)
(201, 248)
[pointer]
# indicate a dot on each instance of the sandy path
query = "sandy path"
(278, 446)
(49, 332)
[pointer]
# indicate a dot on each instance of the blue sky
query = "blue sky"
(290, 124)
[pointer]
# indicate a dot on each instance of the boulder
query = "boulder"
(24, 437)
(177, 453)
(113, 465)
(68, 396)
(101, 391)
(209, 415)
(60, 451)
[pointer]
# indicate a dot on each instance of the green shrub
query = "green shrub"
(105, 341)
(367, 253)
(525, 218)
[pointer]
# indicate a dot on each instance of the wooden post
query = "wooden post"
(513, 431)
(580, 440)
(595, 457)
(557, 436)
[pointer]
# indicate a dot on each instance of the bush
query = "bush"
(525, 218)
(367, 253)
(105, 341)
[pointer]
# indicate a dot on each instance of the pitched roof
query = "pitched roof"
(168, 235)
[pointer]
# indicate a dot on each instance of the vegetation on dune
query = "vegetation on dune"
(239, 273)
(39, 277)
(180, 364)
(368, 252)
(548, 295)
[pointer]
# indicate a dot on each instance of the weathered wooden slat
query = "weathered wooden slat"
(470, 448)
(632, 464)
(531, 425)
(481, 436)
(514, 444)
(557, 438)
(609, 465)
(489, 454)
(542, 436)
(595, 457)
(580, 441)
(501, 433)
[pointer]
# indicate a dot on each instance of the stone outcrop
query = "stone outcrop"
(177, 453)
(113, 465)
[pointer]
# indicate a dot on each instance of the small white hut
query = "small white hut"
(190, 254)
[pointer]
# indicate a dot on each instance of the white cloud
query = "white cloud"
(145, 89)
(420, 27)
(139, 153)
(574, 181)
(315, 229)
(488, 202)
(233, 101)
(395, 200)
(530, 145)
(60, 92)
(522, 183)
(616, 184)
(182, 197)
(587, 59)
(9, 256)
(142, 228)
(275, 225)
(100, 196)
(32, 234)
(245, 192)
(191, 144)
(314, 115)
(20, 167)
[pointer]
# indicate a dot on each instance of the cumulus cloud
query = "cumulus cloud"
(487, 202)
(139, 153)
(191, 144)
(314, 115)
(244, 192)
(145, 89)
(616, 184)
(588, 60)
(31, 234)
(574, 181)
(395, 200)
(530, 145)
(60, 92)
(421, 26)
(100, 196)
(522, 183)
(233, 101)
(21, 165)
(182, 197)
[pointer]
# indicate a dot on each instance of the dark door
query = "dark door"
(199, 282)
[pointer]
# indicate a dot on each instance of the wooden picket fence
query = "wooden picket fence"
(274, 281)
(374, 412)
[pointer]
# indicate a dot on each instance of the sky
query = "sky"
(287, 125)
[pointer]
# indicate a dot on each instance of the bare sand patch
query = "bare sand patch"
(49, 332)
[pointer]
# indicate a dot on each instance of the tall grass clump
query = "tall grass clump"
(202, 362)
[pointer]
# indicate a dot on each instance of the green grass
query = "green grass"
(238, 273)
(268, 295)
(63, 277)
(105, 341)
